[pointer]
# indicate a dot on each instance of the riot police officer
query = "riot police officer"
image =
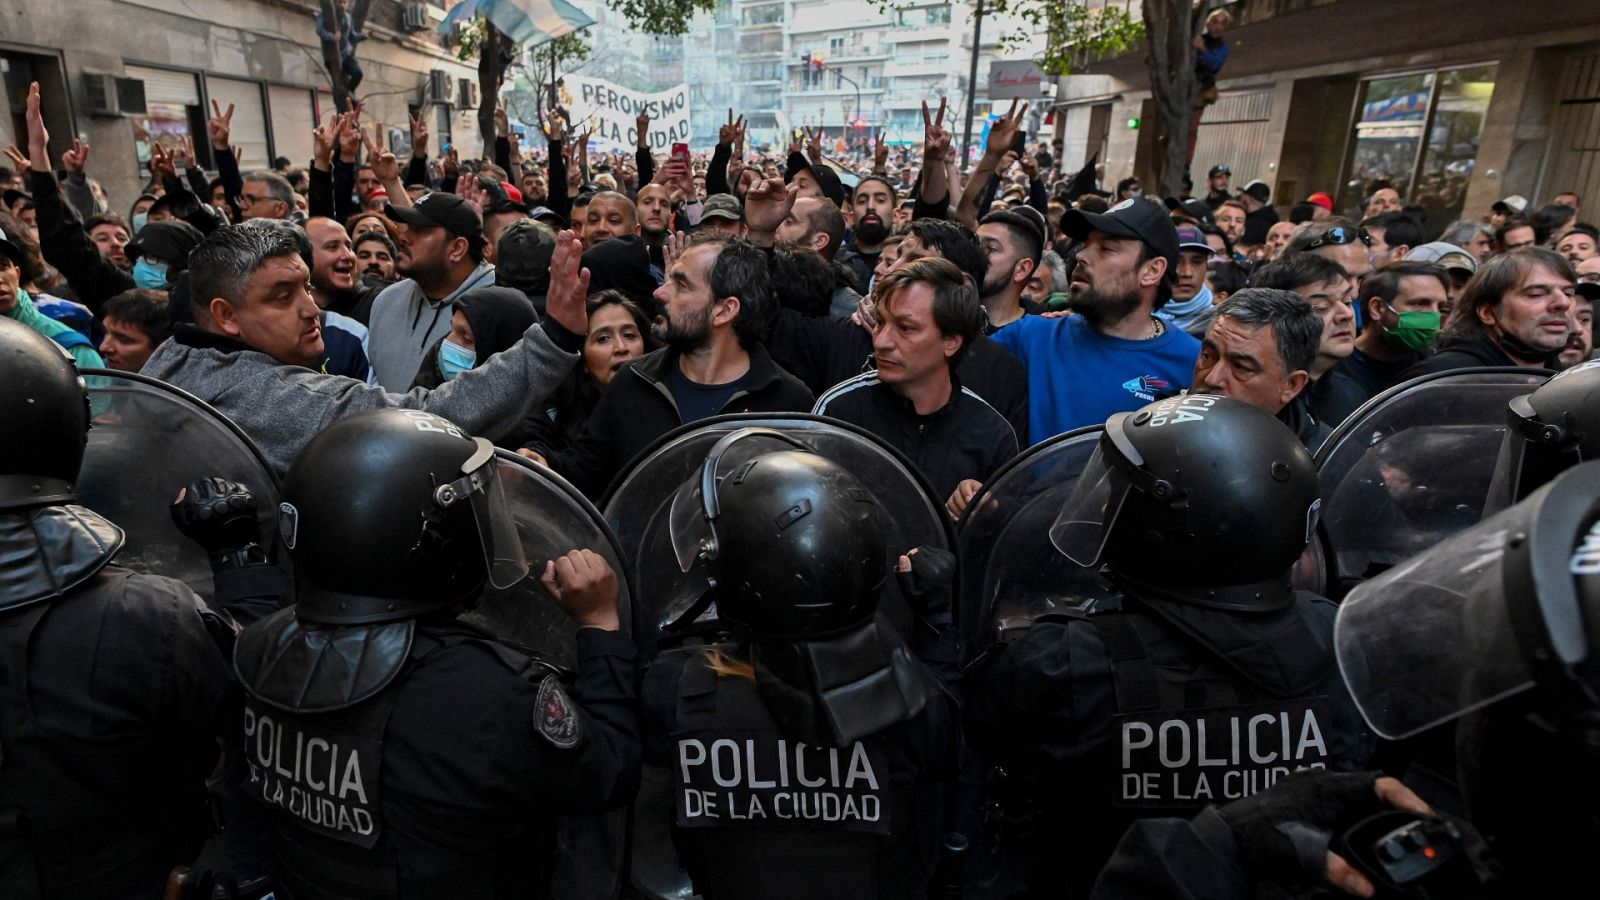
(1495, 630)
(113, 684)
(400, 751)
(804, 746)
(1212, 678)
(1551, 429)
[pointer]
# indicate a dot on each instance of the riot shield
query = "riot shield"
(551, 518)
(1010, 572)
(1407, 470)
(147, 441)
(638, 508)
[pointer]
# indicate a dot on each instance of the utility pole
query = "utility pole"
(972, 86)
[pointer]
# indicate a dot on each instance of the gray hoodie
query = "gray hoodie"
(404, 324)
(282, 407)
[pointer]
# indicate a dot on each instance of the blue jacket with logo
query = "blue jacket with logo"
(1078, 376)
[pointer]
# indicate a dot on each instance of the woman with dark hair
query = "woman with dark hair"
(1551, 223)
(363, 222)
(619, 331)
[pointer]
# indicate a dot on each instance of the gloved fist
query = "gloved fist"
(217, 514)
(925, 575)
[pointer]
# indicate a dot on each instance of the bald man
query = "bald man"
(608, 215)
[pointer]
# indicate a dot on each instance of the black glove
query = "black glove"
(927, 586)
(219, 515)
(1284, 833)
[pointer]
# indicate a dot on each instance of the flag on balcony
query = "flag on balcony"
(530, 23)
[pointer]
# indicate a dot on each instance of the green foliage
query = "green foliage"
(664, 17)
(569, 48)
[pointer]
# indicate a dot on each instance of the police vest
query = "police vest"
(321, 774)
(760, 814)
(109, 836)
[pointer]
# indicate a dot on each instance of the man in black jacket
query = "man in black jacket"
(1516, 311)
(822, 352)
(928, 312)
(716, 309)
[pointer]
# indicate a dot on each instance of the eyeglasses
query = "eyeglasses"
(1338, 236)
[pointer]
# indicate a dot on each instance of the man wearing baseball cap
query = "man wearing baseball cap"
(1217, 180)
(1190, 306)
(721, 212)
(1114, 354)
(441, 255)
(1259, 214)
(818, 181)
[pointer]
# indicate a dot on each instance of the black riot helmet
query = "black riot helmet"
(1509, 605)
(1550, 430)
(791, 539)
(1204, 499)
(394, 513)
(44, 419)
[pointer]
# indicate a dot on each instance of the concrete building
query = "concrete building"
(1455, 103)
(121, 73)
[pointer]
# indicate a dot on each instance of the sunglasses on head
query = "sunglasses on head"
(1339, 235)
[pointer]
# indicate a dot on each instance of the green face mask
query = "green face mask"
(1413, 331)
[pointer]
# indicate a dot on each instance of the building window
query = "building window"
(1419, 134)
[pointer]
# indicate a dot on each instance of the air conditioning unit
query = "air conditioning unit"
(469, 94)
(100, 94)
(439, 86)
(130, 97)
(415, 16)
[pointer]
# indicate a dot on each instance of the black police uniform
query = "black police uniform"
(761, 814)
(444, 781)
(112, 690)
(1154, 709)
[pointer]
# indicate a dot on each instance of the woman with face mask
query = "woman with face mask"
(483, 322)
(619, 331)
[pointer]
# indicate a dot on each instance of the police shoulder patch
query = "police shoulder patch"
(554, 716)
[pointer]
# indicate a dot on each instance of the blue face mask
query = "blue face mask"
(139, 220)
(148, 274)
(455, 359)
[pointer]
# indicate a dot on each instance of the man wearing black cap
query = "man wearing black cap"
(1115, 354)
(1259, 215)
(441, 251)
(1217, 181)
(524, 251)
(818, 181)
(1190, 306)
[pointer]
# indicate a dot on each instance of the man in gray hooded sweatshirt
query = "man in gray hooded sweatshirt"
(440, 251)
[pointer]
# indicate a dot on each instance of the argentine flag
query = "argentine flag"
(530, 23)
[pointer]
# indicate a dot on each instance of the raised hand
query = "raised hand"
(672, 248)
(323, 140)
(515, 140)
(797, 142)
(733, 131)
(767, 204)
(450, 166)
(471, 191)
(161, 165)
(583, 584)
(880, 154)
(220, 126)
(814, 145)
(1030, 166)
(349, 135)
(190, 161)
(19, 160)
(641, 127)
(502, 120)
(38, 135)
(77, 159)
(935, 138)
(1004, 131)
(419, 135)
(569, 284)
(384, 165)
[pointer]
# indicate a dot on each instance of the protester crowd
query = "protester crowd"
(575, 305)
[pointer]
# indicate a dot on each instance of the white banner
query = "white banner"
(611, 110)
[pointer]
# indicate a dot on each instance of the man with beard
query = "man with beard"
(375, 257)
(1514, 312)
(535, 189)
(716, 308)
(1013, 245)
(874, 201)
(1581, 344)
(1114, 355)
(441, 254)
(818, 225)
(336, 284)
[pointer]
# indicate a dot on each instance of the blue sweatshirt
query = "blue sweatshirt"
(1078, 376)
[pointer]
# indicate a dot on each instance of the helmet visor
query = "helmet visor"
(502, 549)
(1431, 639)
(1085, 521)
